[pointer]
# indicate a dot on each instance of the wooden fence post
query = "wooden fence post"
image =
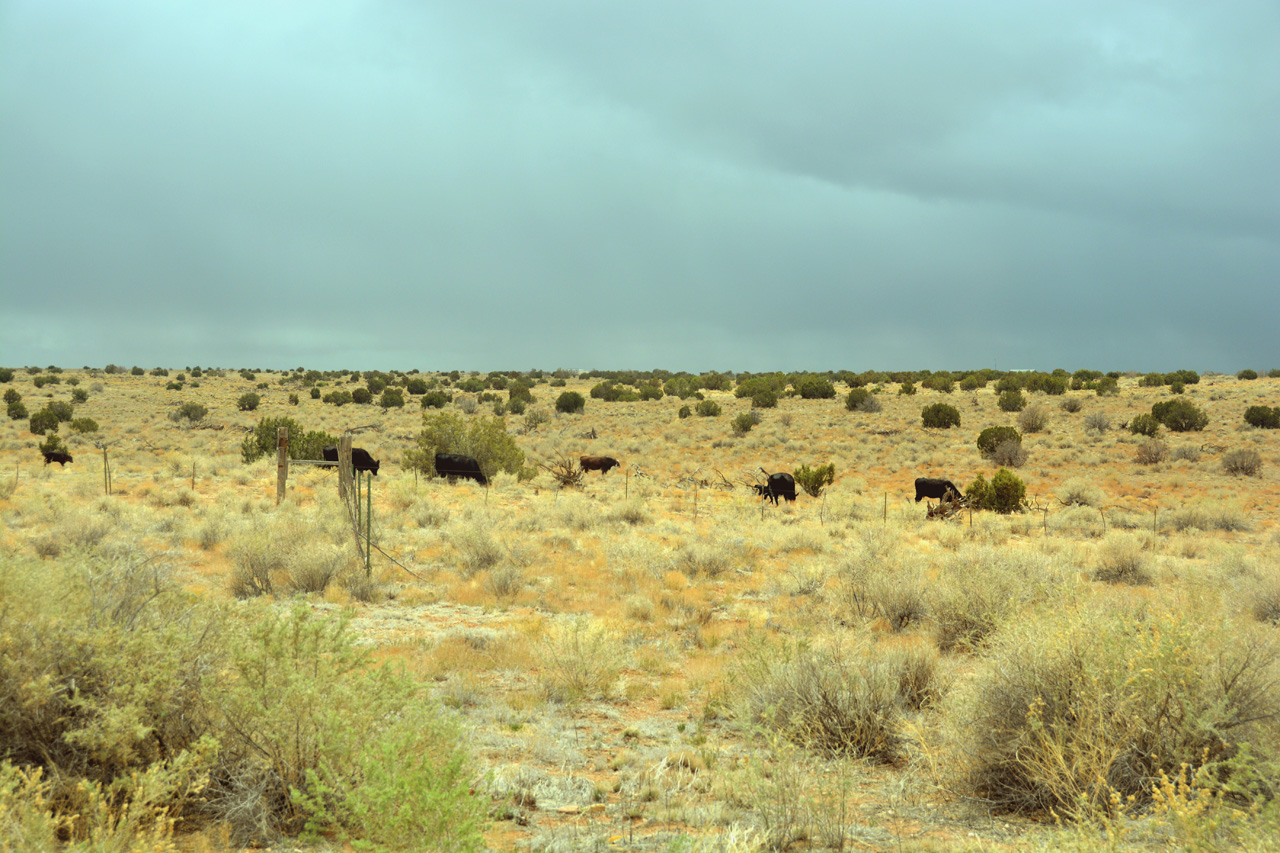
(344, 466)
(282, 462)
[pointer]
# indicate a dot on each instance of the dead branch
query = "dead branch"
(565, 472)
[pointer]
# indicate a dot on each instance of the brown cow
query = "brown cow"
(598, 463)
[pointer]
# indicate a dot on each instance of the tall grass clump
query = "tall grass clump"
(1074, 710)
(832, 701)
(580, 659)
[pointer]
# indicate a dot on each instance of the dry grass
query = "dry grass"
(571, 629)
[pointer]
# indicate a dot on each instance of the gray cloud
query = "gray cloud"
(692, 186)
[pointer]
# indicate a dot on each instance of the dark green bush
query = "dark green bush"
(1107, 386)
(315, 393)
(813, 387)
(79, 395)
(973, 382)
(84, 425)
(391, 399)
(814, 480)
(137, 371)
(1144, 424)
(11, 395)
(940, 382)
(708, 409)
(248, 402)
(41, 381)
(1011, 401)
(907, 389)
(362, 396)
(338, 398)
(752, 385)
(189, 411)
(524, 392)
(855, 398)
(1262, 417)
(1180, 415)
(416, 386)
(992, 437)
(6, 374)
(471, 385)
(303, 444)
(685, 412)
(1152, 380)
(651, 392)
(1005, 493)
(436, 399)
(766, 399)
(940, 416)
(570, 402)
(61, 409)
(1247, 374)
(484, 439)
(18, 410)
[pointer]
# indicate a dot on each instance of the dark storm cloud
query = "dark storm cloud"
(710, 185)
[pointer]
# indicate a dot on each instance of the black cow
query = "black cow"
(778, 485)
(56, 456)
(454, 465)
(927, 487)
(360, 459)
(598, 463)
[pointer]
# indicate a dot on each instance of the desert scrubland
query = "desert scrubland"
(657, 659)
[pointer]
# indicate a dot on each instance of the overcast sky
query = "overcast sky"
(687, 185)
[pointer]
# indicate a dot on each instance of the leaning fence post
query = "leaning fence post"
(282, 463)
(886, 507)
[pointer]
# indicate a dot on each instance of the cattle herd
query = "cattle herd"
(453, 466)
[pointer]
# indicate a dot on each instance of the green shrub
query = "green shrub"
(973, 382)
(940, 416)
(1152, 380)
(940, 382)
(436, 399)
(1005, 493)
(137, 371)
(744, 422)
(416, 386)
(1076, 711)
(79, 395)
(61, 409)
(570, 402)
(18, 411)
(362, 396)
(1011, 401)
(329, 743)
(855, 398)
(338, 398)
(813, 387)
(992, 437)
(708, 409)
(84, 425)
(753, 385)
(1033, 419)
(1262, 417)
(42, 421)
(1180, 415)
(766, 399)
(11, 395)
(303, 444)
(651, 392)
(907, 389)
(1247, 374)
(6, 374)
(484, 439)
(471, 385)
(685, 412)
(248, 402)
(391, 399)
(1107, 386)
(814, 480)
(1144, 424)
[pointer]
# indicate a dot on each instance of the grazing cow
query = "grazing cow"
(927, 487)
(778, 485)
(360, 458)
(598, 463)
(454, 465)
(56, 456)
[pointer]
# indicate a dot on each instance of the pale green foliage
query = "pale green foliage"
(484, 439)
